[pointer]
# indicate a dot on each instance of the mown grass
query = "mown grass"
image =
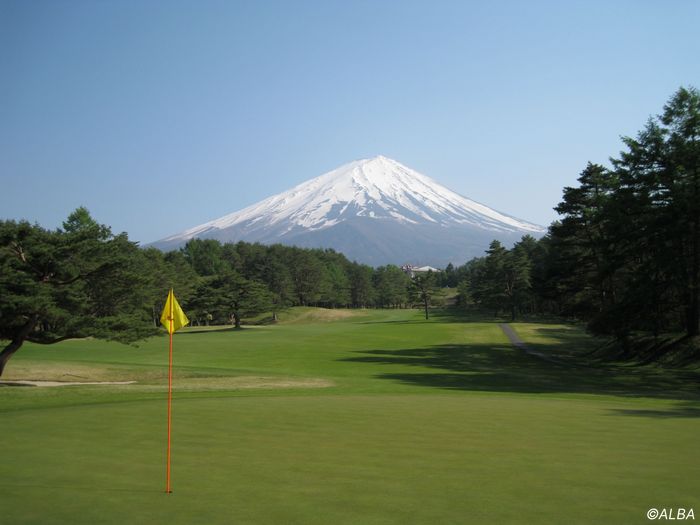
(379, 417)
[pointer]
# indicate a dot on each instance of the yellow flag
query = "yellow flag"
(173, 318)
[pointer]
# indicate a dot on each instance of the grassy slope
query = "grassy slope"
(438, 422)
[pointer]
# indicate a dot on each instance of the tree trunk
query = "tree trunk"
(17, 341)
(425, 304)
(693, 327)
(236, 321)
(693, 321)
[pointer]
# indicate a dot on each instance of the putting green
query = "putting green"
(374, 418)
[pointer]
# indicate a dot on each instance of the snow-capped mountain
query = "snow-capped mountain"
(375, 211)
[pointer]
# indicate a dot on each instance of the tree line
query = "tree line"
(625, 255)
(224, 283)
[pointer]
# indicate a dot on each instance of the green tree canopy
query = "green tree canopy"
(76, 282)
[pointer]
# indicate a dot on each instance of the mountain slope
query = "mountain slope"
(376, 211)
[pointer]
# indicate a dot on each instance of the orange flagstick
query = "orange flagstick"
(172, 318)
(170, 400)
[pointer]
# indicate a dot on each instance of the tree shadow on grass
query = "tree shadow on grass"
(457, 315)
(504, 368)
(682, 410)
(205, 330)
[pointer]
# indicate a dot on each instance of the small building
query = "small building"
(412, 270)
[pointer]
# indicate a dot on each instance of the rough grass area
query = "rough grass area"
(304, 315)
(377, 418)
(28, 369)
(668, 350)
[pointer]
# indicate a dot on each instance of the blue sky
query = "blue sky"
(158, 116)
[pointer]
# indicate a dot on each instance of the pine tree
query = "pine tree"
(76, 282)
(423, 288)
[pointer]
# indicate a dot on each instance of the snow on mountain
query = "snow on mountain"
(372, 198)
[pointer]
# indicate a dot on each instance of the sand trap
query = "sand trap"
(63, 383)
(248, 382)
(191, 384)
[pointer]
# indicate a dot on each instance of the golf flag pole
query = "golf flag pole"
(172, 318)
(170, 402)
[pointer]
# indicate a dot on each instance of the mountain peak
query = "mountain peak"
(375, 165)
(366, 194)
(377, 159)
(380, 161)
(374, 176)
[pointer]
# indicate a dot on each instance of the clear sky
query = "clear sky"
(161, 115)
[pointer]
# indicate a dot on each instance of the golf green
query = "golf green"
(365, 417)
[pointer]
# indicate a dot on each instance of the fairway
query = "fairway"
(369, 417)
